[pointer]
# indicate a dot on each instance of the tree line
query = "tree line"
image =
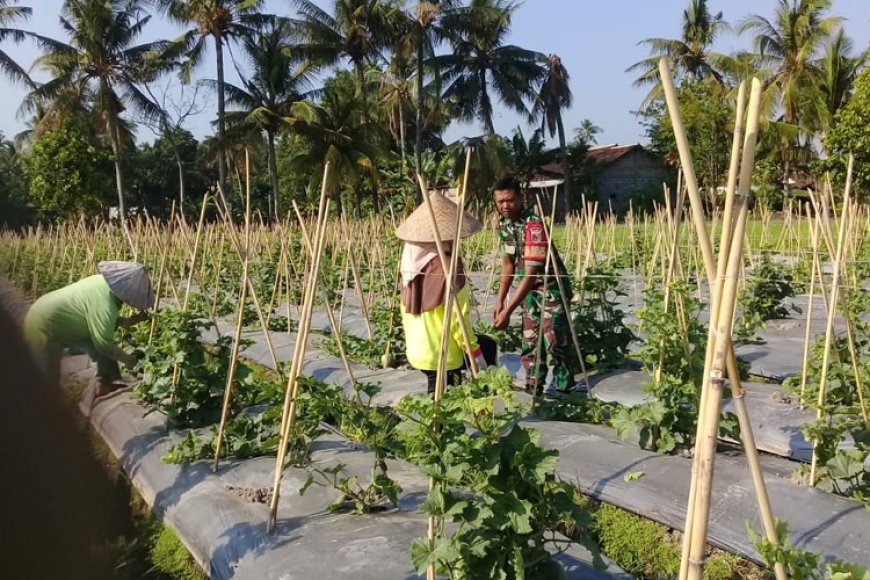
(370, 86)
(816, 98)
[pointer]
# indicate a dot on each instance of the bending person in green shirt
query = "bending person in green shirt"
(84, 315)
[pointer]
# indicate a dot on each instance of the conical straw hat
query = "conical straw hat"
(129, 281)
(418, 226)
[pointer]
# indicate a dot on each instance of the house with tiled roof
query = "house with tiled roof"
(620, 172)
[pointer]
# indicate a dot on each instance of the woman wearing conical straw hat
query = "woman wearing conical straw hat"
(424, 286)
(84, 315)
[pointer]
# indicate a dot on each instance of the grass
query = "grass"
(760, 236)
(648, 549)
(171, 557)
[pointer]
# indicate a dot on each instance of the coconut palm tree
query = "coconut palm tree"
(587, 132)
(490, 159)
(333, 131)
(223, 21)
(279, 79)
(358, 30)
(528, 157)
(419, 31)
(100, 67)
(788, 45)
(480, 62)
(395, 100)
(837, 71)
(690, 54)
(10, 15)
(398, 103)
(553, 96)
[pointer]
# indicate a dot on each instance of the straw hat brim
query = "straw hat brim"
(418, 226)
(129, 281)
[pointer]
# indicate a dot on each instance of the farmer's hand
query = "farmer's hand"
(136, 318)
(497, 309)
(140, 316)
(502, 319)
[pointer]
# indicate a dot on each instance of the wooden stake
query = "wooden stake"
(243, 292)
(252, 291)
(832, 312)
(449, 305)
(703, 241)
(814, 234)
(357, 285)
(551, 263)
(705, 449)
(336, 328)
(287, 416)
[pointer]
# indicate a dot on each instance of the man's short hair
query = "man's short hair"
(508, 182)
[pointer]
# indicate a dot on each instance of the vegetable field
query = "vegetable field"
(640, 313)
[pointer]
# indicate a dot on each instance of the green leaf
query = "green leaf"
(625, 424)
(518, 512)
(845, 465)
(843, 571)
(632, 475)
(667, 442)
(420, 554)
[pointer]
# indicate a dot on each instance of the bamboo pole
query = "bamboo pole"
(832, 312)
(162, 270)
(814, 235)
(673, 259)
(275, 295)
(578, 262)
(336, 329)
(243, 292)
(252, 291)
(486, 292)
(718, 339)
(357, 284)
(289, 407)
(700, 228)
(853, 355)
(344, 278)
(551, 262)
(386, 358)
(449, 303)
(217, 276)
(194, 253)
(703, 241)
(540, 338)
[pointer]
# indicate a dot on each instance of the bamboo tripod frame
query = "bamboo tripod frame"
(697, 511)
(289, 408)
(832, 312)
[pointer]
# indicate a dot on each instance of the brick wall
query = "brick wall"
(634, 170)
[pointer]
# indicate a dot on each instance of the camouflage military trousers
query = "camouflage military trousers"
(545, 313)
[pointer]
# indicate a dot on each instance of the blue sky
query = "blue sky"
(596, 39)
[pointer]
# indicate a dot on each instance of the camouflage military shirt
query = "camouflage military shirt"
(525, 241)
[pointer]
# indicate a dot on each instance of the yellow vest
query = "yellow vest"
(423, 335)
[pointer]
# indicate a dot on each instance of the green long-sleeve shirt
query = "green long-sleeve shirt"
(83, 313)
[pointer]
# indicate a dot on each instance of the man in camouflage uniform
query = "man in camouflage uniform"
(524, 246)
